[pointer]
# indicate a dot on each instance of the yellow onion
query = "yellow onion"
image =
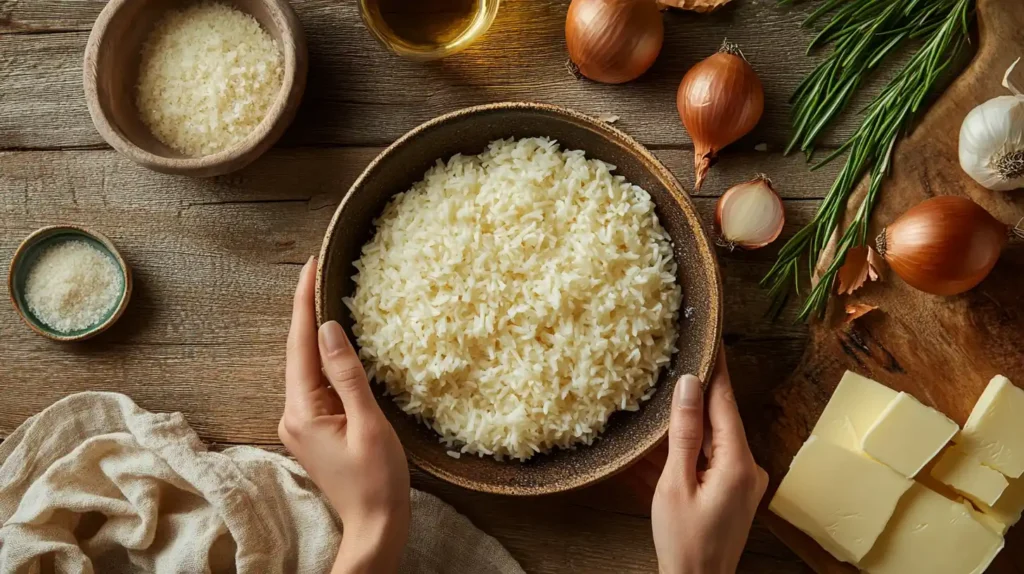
(749, 215)
(944, 246)
(719, 100)
(614, 41)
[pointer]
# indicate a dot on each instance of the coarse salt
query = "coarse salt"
(208, 76)
(72, 286)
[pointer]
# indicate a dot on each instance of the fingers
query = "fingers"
(302, 367)
(345, 371)
(730, 440)
(686, 432)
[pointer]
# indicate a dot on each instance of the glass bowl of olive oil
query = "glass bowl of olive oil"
(428, 29)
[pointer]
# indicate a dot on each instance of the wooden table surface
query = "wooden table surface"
(216, 260)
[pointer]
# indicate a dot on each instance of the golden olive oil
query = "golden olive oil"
(428, 29)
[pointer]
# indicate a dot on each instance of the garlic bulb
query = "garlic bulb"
(992, 140)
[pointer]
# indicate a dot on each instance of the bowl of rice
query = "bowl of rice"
(198, 88)
(525, 285)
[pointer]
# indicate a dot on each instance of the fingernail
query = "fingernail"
(333, 337)
(689, 389)
(312, 259)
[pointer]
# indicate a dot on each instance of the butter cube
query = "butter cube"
(990, 521)
(855, 405)
(931, 534)
(840, 498)
(966, 475)
(1008, 509)
(994, 432)
(908, 435)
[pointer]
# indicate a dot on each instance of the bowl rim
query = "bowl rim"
(265, 133)
(462, 42)
(30, 241)
(679, 195)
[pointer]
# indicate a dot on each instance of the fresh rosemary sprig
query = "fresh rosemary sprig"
(863, 32)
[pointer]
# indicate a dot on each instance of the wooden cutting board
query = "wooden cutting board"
(942, 350)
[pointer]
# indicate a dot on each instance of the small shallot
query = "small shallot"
(719, 100)
(750, 215)
(944, 245)
(613, 41)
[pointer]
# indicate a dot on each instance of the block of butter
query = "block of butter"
(855, 405)
(839, 497)
(1008, 509)
(930, 534)
(908, 435)
(994, 432)
(966, 475)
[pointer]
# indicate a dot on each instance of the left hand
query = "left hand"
(338, 433)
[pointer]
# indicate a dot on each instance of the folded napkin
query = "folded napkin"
(96, 484)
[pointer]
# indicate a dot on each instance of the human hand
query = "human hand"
(338, 433)
(701, 518)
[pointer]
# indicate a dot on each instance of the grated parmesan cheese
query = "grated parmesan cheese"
(72, 286)
(209, 75)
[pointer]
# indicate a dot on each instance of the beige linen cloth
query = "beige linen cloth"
(96, 484)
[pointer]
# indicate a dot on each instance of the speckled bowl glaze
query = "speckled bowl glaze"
(628, 436)
(26, 255)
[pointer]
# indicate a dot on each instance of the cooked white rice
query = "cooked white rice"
(514, 300)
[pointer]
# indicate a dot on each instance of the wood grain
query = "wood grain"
(215, 262)
(216, 259)
(596, 530)
(943, 350)
(360, 94)
(110, 73)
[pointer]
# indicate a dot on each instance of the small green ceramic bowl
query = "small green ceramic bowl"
(27, 254)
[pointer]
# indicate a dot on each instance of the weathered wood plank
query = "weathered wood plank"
(359, 94)
(215, 263)
(216, 259)
(590, 516)
(576, 536)
(941, 350)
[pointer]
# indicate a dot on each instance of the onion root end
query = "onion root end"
(882, 242)
(573, 69)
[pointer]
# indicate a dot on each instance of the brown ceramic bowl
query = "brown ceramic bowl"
(629, 435)
(111, 69)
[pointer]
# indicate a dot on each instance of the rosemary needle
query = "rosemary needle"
(863, 33)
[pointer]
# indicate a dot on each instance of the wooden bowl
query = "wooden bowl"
(629, 435)
(110, 74)
(26, 255)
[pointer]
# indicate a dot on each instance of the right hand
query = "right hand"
(701, 518)
(335, 429)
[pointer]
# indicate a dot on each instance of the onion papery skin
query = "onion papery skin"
(614, 41)
(944, 246)
(719, 100)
